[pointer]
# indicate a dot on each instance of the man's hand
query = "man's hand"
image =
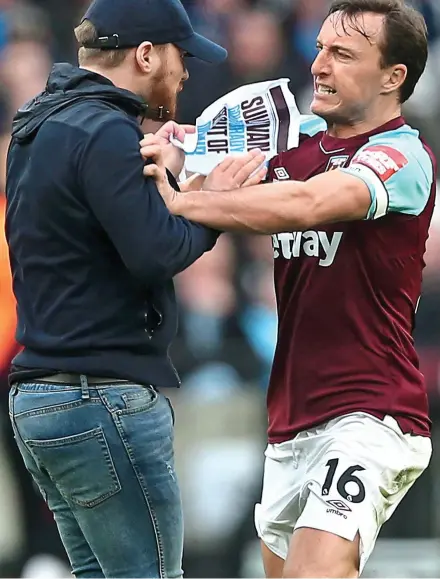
(157, 171)
(192, 183)
(173, 157)
(232, 173)
(235, 172)
(224, 177)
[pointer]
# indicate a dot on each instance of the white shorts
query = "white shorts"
(344, 477)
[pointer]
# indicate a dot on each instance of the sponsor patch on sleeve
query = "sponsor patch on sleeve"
(384, 160)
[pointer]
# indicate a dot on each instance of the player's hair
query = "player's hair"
(405, 35)
(86, 32)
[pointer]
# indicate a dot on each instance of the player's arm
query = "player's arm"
(280, 206)
(382, 177)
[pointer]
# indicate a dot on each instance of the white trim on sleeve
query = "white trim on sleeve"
(380, 191)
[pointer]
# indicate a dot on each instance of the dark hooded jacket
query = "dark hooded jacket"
(93, 247)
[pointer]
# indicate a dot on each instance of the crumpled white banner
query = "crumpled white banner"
(261, 115)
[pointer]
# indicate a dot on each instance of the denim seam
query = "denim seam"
(112, 469)
(130, 411)
(159, 543)
(97, 433)
(17, 435)
(146, 407)
(133, 396)
(44, 387)
(13, 421)
(56, 387)
(56, 408)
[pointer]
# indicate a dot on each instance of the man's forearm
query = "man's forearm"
(282, 206)
(264, 209)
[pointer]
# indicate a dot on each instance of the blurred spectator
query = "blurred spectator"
(212, 346)
(257, 52)
(213, 17)
(24, 65)
(307, 16)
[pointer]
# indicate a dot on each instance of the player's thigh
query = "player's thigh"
(276, 514)
(316, 553)
(273, 564)
(359, 470)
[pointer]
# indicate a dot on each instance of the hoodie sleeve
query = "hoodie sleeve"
(154, 245)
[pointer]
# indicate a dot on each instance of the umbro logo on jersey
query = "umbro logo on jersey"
(317, 244)
(281, 174)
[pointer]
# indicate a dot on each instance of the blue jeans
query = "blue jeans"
(102, 456)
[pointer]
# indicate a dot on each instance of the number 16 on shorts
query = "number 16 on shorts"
(345, 482)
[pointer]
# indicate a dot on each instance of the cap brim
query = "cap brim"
(203, 49)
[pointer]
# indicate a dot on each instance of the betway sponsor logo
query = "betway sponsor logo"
(312, 243)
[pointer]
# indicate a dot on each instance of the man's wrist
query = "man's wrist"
(177, 204)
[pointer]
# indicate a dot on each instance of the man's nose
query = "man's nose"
(321, 64)
(185, 76)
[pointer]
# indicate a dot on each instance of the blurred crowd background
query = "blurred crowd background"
(227, 310)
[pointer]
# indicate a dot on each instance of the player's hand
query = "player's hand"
(173, 157)
(235, 172)
(158, 171)
(193, 183)
(231, 173)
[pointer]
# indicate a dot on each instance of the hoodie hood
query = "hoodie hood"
(66, 85)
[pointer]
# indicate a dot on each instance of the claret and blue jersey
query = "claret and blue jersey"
(347, 292)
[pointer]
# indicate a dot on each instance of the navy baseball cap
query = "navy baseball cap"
(128, 23)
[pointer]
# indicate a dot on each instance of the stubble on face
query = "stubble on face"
(165, 84)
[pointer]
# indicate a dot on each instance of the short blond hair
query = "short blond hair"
(86, 32)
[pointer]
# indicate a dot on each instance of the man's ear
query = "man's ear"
(144, 56)
(394, 77)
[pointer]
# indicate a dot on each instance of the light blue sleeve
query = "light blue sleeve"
(397, 170)
(311, 125)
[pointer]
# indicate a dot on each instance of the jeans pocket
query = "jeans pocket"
(80, 466)
(140, 399)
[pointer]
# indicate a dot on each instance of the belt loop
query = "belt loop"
(14, 389)
(85, 394)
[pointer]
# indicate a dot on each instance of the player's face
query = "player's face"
(168, 79)
(347, 74)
